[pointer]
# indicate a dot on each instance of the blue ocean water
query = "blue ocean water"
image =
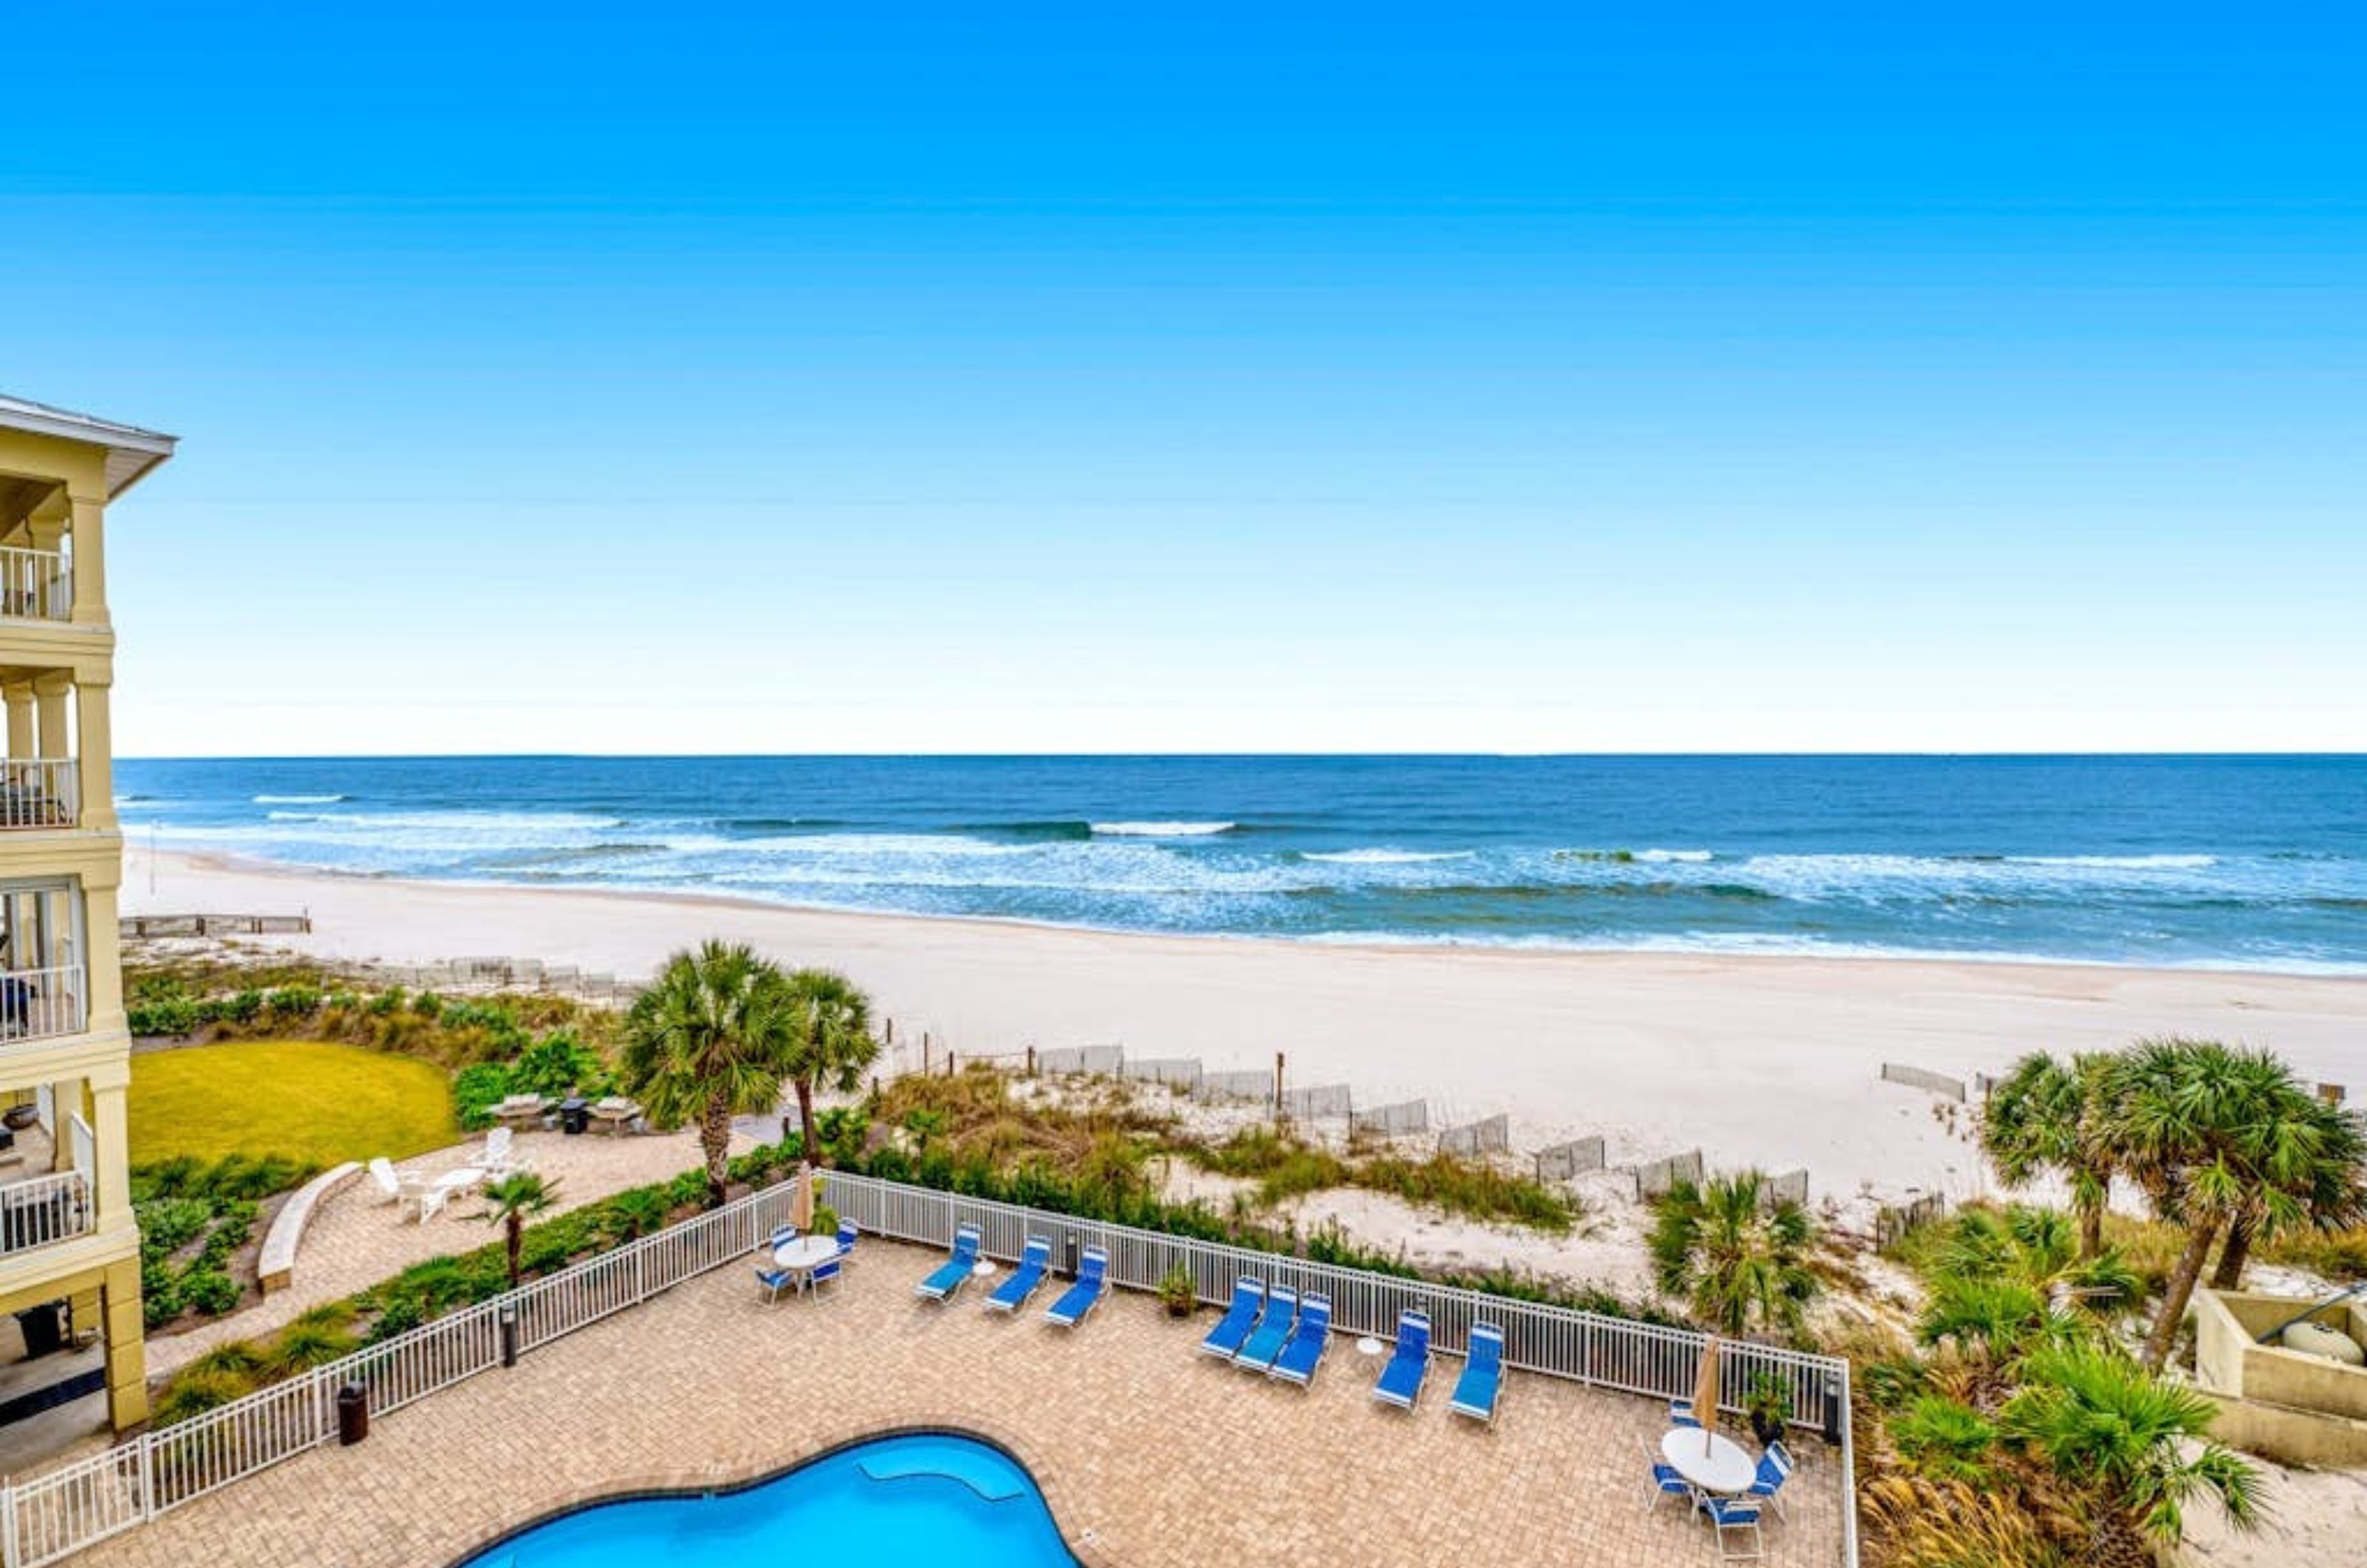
(925, 1500)
(2255, 862)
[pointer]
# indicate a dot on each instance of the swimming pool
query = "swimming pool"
(923, 1499)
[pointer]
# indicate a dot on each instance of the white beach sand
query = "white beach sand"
(1770, 1061)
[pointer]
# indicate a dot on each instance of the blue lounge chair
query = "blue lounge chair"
(941, 1285)
(1774, 1469)
(1272, 1332)
(824, 1273)
(1483, 1375)
(1400, 1382)
(1233, 1329)
(1304, 1352)
(847, 1236)
(1012, 1293)
(1735, 1513)
(774, 1280)
(1093, 1282)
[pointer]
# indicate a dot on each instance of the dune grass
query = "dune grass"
(313, 1103)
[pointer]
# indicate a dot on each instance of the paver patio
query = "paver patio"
(1148, 1453)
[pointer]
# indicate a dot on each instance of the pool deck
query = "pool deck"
(1147, 1452)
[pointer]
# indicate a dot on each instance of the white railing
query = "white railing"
(37, 1003)
(51, 1517)
(36, 585)
(43, 1210)
(40, 794)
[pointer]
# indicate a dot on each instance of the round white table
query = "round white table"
(982, 1267)
(1368, 1346)
(1718, 1467)
(805, 1254)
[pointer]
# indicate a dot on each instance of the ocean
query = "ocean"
(2244, 862)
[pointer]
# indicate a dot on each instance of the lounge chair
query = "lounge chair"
(1774, 1469)
(499, 1157)
(1400, 1382)
(1092, 1283)
(1666, 1481)
(1483, 1375)
(383, 1175)
(775, 1280)
(948, 1276)
(1272, 1332)
(1012, 1293)
(1304, 1352)
(1733, 1514)
(1233, 1329)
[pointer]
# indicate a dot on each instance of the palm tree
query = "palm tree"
(508, 1202)
(2049, 1117)
(2327, 1176)
(832, 1044)
(2213, 1134)
(2133, 1443)
(710, 1040)
(1736, 1259)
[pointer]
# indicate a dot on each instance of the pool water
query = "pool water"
(929, 1499)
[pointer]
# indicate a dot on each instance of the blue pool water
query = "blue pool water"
(925, 1500)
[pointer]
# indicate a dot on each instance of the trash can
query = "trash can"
(574, 1114)
(44, 1328)
(353, 1415)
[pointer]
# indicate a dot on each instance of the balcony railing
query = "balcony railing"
(44, 1210)
(35, 585)
(37, 1003)
(38, 795)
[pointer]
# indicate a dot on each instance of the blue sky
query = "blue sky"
(619, 379)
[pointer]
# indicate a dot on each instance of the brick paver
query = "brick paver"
(1148, 1453)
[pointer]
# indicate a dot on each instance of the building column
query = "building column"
(127, 1355)
(89, 560)
(102, 961)
(95, 755)
(111, 1129)
(19, 695)
(50, 689)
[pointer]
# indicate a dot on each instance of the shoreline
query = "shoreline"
(1760, 1059)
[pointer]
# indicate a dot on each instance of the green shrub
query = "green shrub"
(209, 1292)
(194, 1393)
(476, 1090)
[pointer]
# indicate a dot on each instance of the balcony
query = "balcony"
(36, 1004)
(35, 585)
(45, 794)
(42, 1211)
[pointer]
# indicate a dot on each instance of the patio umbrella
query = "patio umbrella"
(1705, 1392)
(801, 1200)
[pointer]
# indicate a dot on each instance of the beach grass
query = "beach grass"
(309, 1100)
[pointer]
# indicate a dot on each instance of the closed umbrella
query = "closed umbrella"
(801, 1200)
(1705, 1392)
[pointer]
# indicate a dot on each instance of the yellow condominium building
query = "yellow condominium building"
(69, 1247)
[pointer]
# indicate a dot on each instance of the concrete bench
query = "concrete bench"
(275, 1265)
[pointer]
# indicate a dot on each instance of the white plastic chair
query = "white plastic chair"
(388, 1184)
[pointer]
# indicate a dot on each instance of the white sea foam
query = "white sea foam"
(1387, 857)
(1163, 829)
(1662, 857)
(2123, 862)
(299, 799)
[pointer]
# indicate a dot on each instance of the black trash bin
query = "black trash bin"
(574, 1114)
(44, 1328)
(353, 1413)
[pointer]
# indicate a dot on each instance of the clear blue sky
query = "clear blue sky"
(1117, 378)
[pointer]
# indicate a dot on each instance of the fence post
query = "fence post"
(1277, 1084)
(1031, 1061)
(8, 1554)
(148, 1509)
(641, 1276)
(924, 1053)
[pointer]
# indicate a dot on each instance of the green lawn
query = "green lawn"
(314, 1103)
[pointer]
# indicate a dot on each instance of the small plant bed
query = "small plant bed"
(315, 1103)
(429, 1289)
(197, 1232)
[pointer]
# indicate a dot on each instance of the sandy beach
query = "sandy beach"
(1770, 1061)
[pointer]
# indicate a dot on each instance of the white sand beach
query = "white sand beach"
(1770, 1061)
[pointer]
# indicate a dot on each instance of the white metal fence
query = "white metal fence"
(39, 793)
(37, 1003)
(36, 585)
(53, 1515)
